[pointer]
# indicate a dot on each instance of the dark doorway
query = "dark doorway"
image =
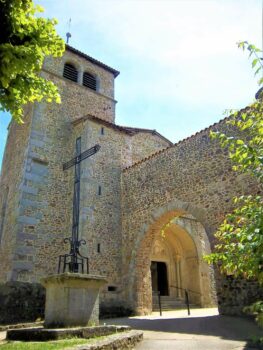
(159, 277)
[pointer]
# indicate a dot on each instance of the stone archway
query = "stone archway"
(178, 238)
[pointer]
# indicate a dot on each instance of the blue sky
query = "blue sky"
(179, 63)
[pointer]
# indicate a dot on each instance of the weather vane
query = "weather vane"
(68, 35)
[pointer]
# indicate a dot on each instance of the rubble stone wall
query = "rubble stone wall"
(125, 200)
(11, 184)
(38, 214)
(235, 294)
(193, 177)
(78, 100)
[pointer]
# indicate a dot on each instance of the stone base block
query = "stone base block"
(43, 334)
(72, 300)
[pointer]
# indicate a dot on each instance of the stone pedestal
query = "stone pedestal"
(72, 300)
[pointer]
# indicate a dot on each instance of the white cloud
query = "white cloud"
(170, 52)
(179, 64)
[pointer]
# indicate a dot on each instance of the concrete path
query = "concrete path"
(203, 330)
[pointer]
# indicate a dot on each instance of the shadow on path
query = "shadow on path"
(224, 327)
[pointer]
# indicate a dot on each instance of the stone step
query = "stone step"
(170, 303)
(169, 306)
(168, 300)
(165, 298)
(178, 307)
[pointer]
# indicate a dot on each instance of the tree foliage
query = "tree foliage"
(25, 40)
(254, 52)
(239, 248)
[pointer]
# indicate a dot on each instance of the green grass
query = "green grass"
(51, 345)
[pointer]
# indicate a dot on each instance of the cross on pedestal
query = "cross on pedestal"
(74, 261)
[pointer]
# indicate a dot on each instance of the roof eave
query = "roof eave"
(92, 60)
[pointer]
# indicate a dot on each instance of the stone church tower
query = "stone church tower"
(36, 195)
(148, 208)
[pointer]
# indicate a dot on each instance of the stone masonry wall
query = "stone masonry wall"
(139, 146)
(38, 212)
(195, 176)
(100, 216)
(11, 185)
(78, 100)
(40, 217)
(145, 144)
(121, 209)
(234, 294)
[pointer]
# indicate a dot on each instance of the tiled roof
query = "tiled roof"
(150, 131)
(92, 60)
(128, 130)
(176, 144)
(103, 122)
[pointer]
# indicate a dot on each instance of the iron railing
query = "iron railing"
(186, 298)
(186, 295)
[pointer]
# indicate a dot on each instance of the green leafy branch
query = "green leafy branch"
(239, 247)
(25, 41)
(240, 240)
(247, 152)
(257, 64)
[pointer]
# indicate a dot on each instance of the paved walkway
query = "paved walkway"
(203, 330)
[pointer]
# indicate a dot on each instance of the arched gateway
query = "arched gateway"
(169, 259)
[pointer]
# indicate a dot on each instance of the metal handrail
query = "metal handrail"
(187, 302)
(186, 293)
(158, 293)
(160, 303)
(189, 290)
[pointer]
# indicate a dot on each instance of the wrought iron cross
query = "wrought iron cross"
(74, 261)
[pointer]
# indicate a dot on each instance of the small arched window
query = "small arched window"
(89, 81)
(70, 72)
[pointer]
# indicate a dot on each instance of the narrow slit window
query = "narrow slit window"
(102, 131)
(112, 288)
(98, 248)
(89, 81)
(70, 72)
(99, 191)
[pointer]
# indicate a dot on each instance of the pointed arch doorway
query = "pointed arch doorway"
(176, 262)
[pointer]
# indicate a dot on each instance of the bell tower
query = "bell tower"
(86, 85)
(35, 194)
